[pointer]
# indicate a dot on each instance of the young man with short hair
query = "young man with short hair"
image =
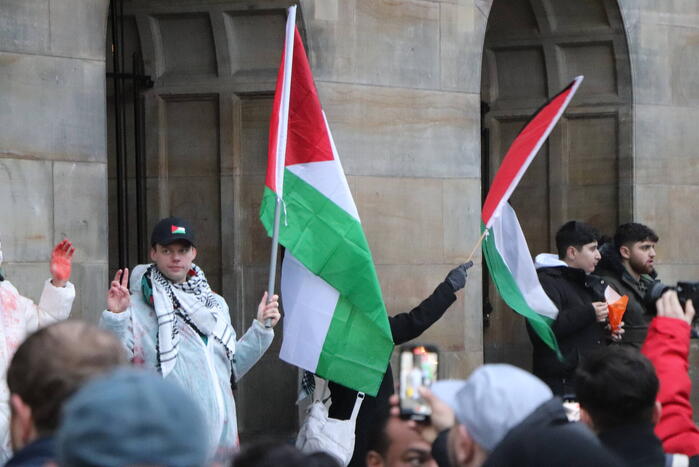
(177, 325)
(579, 297)
(616, 388)
(51, 365)
(394, 442)
(628, 266)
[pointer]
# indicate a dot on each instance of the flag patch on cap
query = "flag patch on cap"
(177, 230)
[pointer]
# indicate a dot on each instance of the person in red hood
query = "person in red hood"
(667, 347)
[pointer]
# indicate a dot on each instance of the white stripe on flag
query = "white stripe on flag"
(305, 295)
(510, 242)
(324, 177)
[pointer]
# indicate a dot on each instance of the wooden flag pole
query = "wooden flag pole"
(478, 243)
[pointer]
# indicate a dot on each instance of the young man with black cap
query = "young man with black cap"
(176, 325)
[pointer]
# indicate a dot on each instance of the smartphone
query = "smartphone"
(418, 368)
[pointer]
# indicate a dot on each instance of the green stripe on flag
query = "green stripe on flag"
(509, 291)
(331, 244)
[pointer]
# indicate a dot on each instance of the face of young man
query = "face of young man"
(586, 258)
(174, 260)
(407, 448)
(640, 257)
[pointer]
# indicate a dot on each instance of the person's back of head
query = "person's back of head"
(632, 232)
(132, 417)
(616, 386)
(574, 234)
(270, 453)
(50, 366)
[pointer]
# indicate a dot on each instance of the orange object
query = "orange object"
(616, 312)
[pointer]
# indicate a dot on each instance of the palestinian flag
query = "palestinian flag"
(335, 321)
(505, 248)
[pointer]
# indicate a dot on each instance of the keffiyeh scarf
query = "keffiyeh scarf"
(195, 303)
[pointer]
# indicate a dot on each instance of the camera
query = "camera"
(685, 291)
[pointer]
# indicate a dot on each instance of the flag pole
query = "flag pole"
(288, 58)
(273, 257)
(478, 243)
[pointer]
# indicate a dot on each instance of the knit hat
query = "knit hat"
(132, 417)
(492, 401)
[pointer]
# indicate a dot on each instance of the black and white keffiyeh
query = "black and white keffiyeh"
(194, 302)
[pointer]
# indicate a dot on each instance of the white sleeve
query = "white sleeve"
(54, 305)
(251, 347)
(122, 326)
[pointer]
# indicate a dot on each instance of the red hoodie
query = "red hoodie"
(667, 347)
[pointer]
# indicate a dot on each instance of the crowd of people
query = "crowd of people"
(153, 384)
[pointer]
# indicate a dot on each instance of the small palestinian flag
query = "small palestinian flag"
(177, 230)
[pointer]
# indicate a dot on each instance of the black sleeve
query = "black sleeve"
(407, 326)
(440, 449)
(571, 318)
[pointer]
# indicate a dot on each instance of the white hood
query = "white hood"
(548, 260)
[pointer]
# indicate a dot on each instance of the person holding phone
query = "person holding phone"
(404, 327)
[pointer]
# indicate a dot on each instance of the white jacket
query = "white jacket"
(202, 369)
(19, 316)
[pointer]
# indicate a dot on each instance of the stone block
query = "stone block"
(27, 277)
(403, 218)
(26, 204)
(671, 273)
(381, 131)
(461, 218)
(665, 144)
(54, 108)
(78, 28)
(461, 47)
(25, 26)
(666, 209)
(91, 282)
(459, 365)
(378, 42)
(80, 196)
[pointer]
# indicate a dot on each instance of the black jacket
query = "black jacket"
(547, 438)
(637, 315)
(404, 327)
(635, 444)
(35, 454)
(576, 328)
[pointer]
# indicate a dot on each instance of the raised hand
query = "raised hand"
(268, 313)
(118, 296)
(61, 263)
(668, 306)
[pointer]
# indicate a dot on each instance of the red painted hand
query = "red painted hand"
(61, 263)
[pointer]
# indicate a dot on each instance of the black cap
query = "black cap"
(170, 230)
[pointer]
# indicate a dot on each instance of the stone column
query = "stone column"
(53, 181)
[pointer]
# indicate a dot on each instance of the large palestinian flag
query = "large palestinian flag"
(335, 321)
(505, 248)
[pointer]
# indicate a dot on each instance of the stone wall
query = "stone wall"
(400, 84)
(52, 143)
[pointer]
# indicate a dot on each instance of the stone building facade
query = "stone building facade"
(422, 96)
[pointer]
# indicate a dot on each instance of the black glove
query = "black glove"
(457, 276)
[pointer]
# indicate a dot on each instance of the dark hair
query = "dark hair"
(54, 362)
(616, 386)
(628, 234)
(575, 234)
(377, 438)
(269, 453)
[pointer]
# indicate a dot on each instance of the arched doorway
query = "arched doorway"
(532, 49)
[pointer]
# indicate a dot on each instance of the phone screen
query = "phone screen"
(418, 368)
